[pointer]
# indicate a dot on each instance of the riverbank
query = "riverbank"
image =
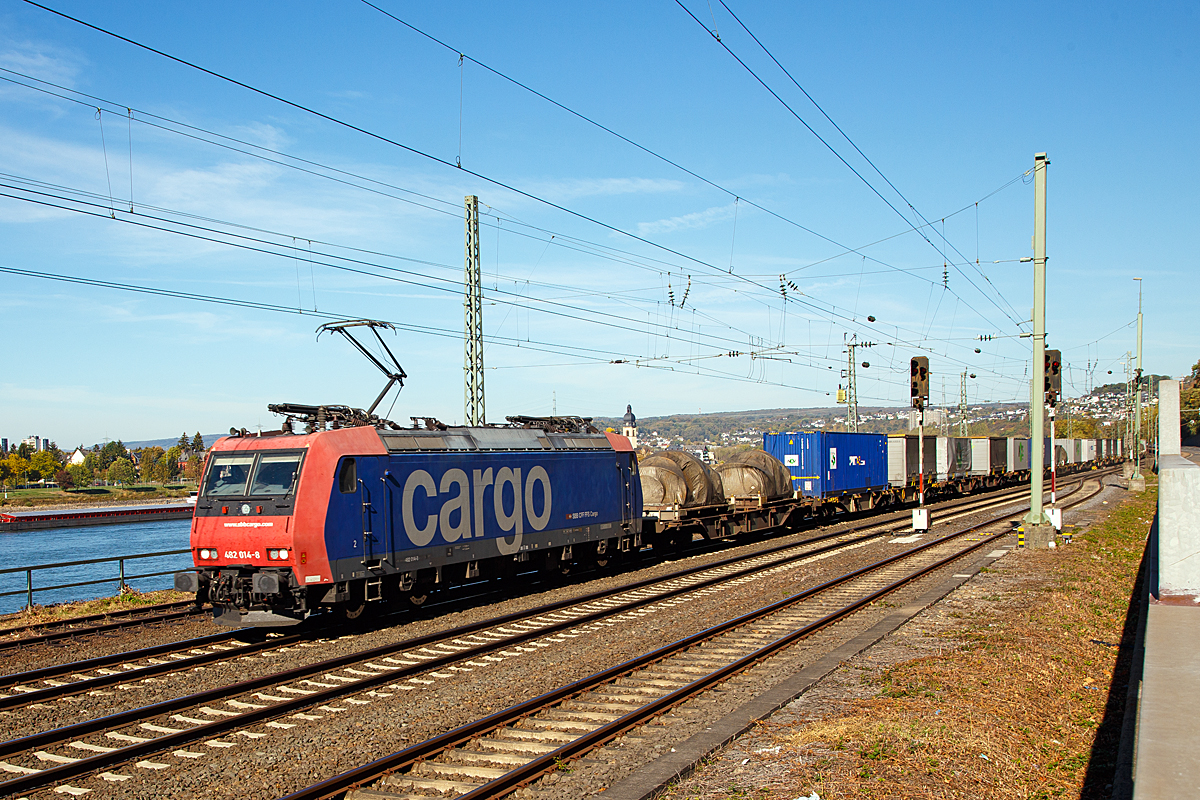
(1010, 688)
(95, 496)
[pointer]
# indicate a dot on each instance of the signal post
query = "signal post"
(918, 369)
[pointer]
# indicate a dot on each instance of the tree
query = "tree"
(18, 468)
(171, 461)
(5, 472)
(184, 442)
(197, 443)
(195, 465)
(111, 452)
(25, 450)
(81, 476)
(149, 458)
(91, 462)
(121, 471)
(43, 465)
(63, 479)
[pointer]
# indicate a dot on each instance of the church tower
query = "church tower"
(629, 426)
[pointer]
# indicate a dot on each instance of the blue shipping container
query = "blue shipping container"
(828, 464)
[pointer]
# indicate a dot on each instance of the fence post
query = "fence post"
(29, 588)
(121, 584)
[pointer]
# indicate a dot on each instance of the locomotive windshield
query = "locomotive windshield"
(252, 474)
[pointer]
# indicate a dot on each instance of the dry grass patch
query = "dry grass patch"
(129, 599)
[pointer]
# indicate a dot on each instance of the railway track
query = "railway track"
(96, 747)
(504, 751)
(59, 630)
(44, 632)
(96, 674)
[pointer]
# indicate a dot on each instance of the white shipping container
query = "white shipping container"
(897, 461)
(981, 456)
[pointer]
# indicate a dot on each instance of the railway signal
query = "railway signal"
(918, 369)
(919, 374)
(1052, 382)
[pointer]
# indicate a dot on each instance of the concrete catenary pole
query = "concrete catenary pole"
(473, 407)
(1137, 395)
(1036, 515)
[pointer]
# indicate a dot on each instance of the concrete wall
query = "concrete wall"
(1178, 508)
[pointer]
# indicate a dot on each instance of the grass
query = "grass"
(1015, 710)
(30, 498)
(129, 600)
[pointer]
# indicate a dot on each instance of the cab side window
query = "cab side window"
(348, 476)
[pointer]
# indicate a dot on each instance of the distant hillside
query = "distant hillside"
(209, 438)
(991, 419)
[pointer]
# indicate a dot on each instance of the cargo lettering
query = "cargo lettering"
(461, 514)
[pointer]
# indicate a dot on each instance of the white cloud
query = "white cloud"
(562, 191)
(698, 219)
(41, 60)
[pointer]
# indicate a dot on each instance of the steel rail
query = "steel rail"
(133, 621)
(137, 671)
(54, 692)
(522, 775)
(220, 726)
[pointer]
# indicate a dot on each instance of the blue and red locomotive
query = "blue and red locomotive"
(288, 523)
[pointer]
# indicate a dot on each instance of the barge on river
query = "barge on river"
(96, 515)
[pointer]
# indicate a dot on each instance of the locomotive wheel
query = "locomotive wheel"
(355, 609)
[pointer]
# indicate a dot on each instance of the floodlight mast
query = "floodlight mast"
(394, 378)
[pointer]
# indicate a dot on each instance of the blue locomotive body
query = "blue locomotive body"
(419, 509)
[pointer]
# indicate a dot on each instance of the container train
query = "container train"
(356, 510)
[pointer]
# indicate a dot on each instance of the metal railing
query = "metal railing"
(121, 578)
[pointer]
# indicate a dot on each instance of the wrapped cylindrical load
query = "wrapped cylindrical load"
(703, 488)
(743, 480)
(662, 481)
(780, 483)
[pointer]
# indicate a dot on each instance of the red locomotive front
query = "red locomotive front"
(258, 531)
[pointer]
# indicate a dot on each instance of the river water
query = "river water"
(56, 545)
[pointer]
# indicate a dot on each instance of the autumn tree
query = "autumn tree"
(18, 468)
(63, 479)
(42, 465)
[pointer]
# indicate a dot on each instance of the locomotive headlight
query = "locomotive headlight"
(273, 555)
(204, 554)
(283, 554)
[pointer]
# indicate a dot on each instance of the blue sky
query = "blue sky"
(949, 101)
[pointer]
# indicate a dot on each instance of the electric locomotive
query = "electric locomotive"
(357, 510)
(287, 523)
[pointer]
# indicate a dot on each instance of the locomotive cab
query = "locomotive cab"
(243, 537)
